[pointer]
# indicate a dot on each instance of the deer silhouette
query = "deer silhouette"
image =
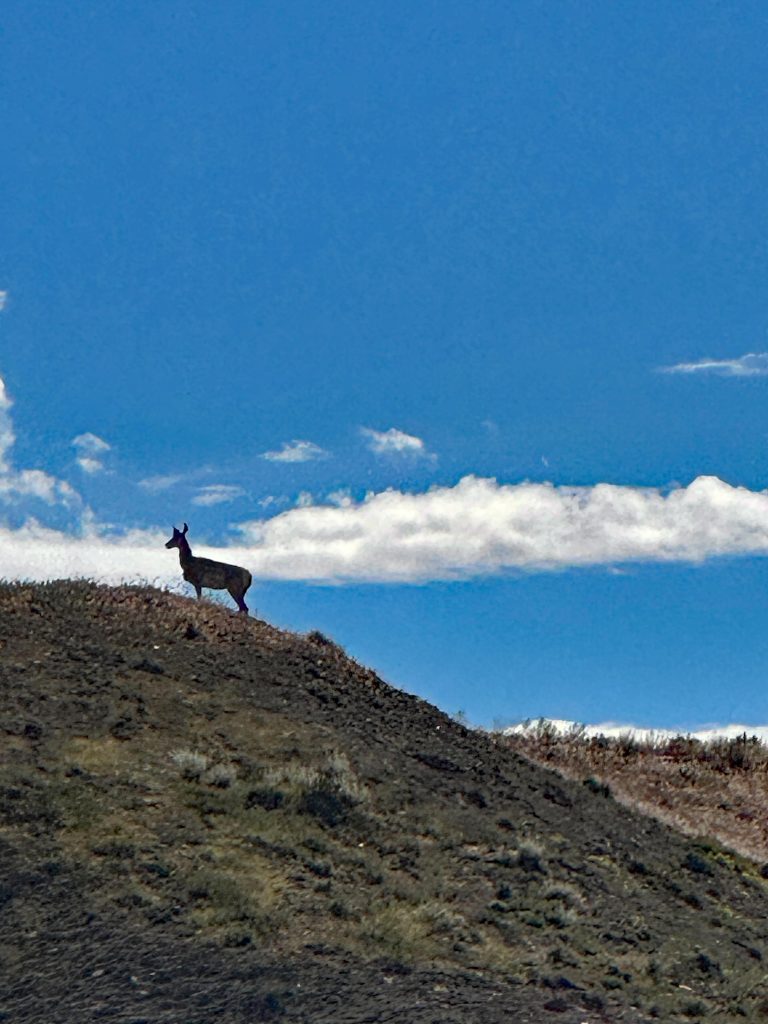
(204, 572)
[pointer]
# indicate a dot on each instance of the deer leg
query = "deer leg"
(238, 599)
(198, 591)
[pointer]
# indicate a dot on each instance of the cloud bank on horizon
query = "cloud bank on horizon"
(641, 734)
(476, 527)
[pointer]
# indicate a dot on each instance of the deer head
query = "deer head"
(177, 538)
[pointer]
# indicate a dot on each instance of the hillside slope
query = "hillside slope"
(717, 787)
(204, 818)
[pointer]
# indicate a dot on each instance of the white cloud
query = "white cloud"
(91, 444)
(273, 500)
(217, 494)
(395, 442)
(7, 436)
(155, 484)
(342, 497)
(89, 465)
(35, 552)
(3, 300)
(480, 527)
(18, 484)
(296, 451)
(90, 448)
(753, 364)
(34, 483)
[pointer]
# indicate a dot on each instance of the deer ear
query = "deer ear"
(185, 529)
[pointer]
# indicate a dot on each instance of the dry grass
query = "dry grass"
(716, 789)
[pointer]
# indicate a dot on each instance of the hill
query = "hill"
(203, 818)
(701, 784)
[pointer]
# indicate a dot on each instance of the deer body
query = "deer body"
(205, 572)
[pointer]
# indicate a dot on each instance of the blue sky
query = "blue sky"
(363, 292)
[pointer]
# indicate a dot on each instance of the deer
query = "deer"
(204, 572)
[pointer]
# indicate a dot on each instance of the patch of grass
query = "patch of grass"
(399, 930)
(220, 775)
(531, 856)
(191, 763)
(334, 776)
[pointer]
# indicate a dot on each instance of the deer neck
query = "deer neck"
(185, 552)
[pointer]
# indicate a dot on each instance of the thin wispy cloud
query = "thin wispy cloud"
(91, 443)
(159, 483)
(273, 500)
(217, 494)
(3, 300)
(296, 451)
(90, 450)
(395, 442)
(753, 364)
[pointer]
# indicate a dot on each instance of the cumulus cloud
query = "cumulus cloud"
(342, 497)
(395, 442)
(296, 451)
(90, 450)
(19, 484)
(753, 364)
(217, 494)
(481, 527)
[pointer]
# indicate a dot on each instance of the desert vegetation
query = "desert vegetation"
(715, 789)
